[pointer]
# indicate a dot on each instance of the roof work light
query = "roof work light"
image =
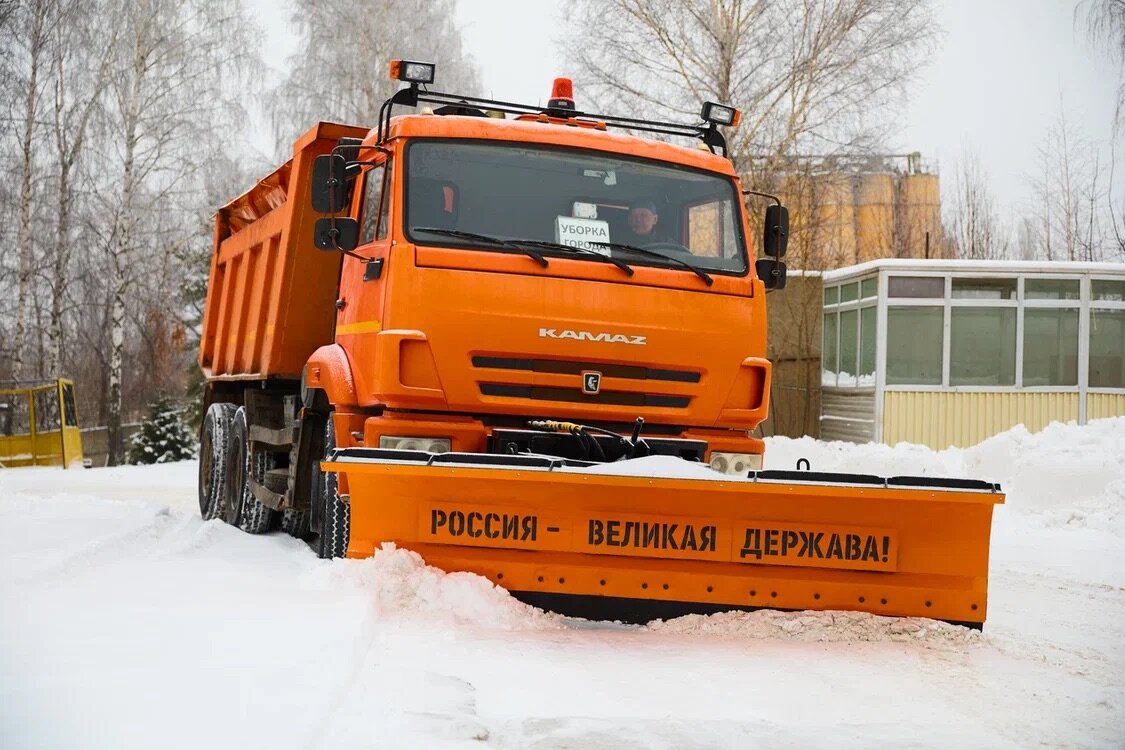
(412, 72)
(720, 114)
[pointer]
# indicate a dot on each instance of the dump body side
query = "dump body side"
(271, 293)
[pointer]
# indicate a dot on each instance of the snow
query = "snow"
(976, 266)
(129, 623)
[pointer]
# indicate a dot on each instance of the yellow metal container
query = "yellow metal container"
(39, 425)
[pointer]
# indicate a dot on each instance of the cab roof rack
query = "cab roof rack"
(561, 105)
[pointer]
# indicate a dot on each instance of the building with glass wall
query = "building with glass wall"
(950, 352)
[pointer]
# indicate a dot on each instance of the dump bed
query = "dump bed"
(271, 293)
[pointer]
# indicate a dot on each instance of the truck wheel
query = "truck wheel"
(295, 523)
(257, 518)
(331, 516)
(214, 444)
(238, 468)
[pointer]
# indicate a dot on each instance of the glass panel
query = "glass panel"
(914, 336)
(982, 346)
(15, 414)
(1050, 347)
(984, 288)
(47, 418)
(828, 377)
(849, 324)
(707, 232)
(385, 201)
(868, 288)
(925, 287)
(1110, 291)
(867, 346)
(849, 292)
(1107, 348)
(372, 205)
(831, 295)
(1051, 289)
(70, 413)
(573, 197)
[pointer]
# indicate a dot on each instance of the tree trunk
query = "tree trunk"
(35, 47)
(58, 279)
(116, 347)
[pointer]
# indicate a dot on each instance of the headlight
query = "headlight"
(735, 463)
(430, 445)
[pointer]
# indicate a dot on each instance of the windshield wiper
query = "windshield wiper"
(643, 251)
(579, 251)
(473, 236)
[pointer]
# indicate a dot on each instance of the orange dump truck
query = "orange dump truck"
(528, 345)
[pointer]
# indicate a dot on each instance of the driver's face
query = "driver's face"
(642, 221)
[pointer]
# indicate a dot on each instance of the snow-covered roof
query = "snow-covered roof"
(975, 266)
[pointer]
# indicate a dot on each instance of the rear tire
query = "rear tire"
(257, 518)
(238, 468)
(295, 523)
(331, 517)
(213, 449)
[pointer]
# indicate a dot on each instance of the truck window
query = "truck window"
(553, 194)
(376, 204)
(710, 229)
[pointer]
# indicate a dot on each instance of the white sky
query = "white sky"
(1004, 71)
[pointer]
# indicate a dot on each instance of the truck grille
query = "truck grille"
(571, 367)
(574, 394)
(618, 398)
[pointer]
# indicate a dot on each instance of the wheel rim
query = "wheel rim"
(236, 479)
(206, 473)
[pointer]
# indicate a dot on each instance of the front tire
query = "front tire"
(213, 449)
(331, 517)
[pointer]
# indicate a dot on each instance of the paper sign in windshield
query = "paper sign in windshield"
(582, 233)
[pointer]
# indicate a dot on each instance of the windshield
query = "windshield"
(575, 198)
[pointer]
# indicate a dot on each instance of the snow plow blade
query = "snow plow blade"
(576, 539)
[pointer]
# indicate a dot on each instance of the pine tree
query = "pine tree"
(163, 437)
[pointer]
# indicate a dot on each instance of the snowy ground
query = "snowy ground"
(126, 622)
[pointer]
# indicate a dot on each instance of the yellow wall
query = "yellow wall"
(1102, 405)
(941, 419)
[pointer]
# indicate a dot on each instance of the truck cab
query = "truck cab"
(542, 268)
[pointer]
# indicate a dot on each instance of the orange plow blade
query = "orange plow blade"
(580, 540)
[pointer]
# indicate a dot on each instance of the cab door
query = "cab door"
(363, 274)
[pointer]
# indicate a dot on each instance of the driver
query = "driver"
(643, 219)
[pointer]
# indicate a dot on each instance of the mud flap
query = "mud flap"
(575, 538)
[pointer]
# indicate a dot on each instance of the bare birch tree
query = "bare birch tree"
(1070, 209)
(810, 76)
(82, 55)
(973, 222)
(1105, 28)
(172, 101)
(340, 71)
(29, 29)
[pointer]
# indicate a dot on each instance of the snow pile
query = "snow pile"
(405, 587)
(1063, 475)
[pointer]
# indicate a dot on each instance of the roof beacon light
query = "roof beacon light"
(720, 114)
(562, 94)
(412, 72)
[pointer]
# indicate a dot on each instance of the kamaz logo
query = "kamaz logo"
(610, 338)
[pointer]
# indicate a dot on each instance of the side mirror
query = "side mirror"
(771, 271)
(329, 183)
(340, 235)
(776, 238)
